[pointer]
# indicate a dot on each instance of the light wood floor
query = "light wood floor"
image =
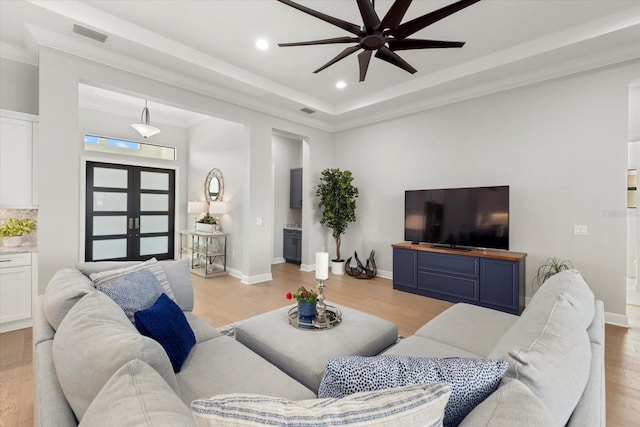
(225, 300)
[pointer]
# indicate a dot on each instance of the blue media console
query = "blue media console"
(492, 279)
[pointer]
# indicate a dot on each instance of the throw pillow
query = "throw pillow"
(103, 277)
(166, 323)
(472, 380)
(136, 395)
(134, 292)
(417, 405)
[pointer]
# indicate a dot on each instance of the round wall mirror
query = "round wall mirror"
(214, 186)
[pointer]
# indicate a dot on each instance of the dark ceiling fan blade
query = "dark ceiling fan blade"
(407, 44)
(395, 14)
(348, 51)
(364, 58)
(348, 26)
(415, 25)
(369, 15)
(386, 54)
(324, 41)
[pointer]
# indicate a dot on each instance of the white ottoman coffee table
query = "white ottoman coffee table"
(303, 354)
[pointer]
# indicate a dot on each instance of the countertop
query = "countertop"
(292, 227)
(23, 249)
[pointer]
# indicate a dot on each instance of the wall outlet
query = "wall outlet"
(580, 230)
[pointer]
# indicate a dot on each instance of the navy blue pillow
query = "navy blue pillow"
(164, 321)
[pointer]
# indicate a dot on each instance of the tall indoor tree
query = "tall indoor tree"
(337, 203)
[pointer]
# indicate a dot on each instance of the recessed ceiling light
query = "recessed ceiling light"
(341, 84)
(262, 44)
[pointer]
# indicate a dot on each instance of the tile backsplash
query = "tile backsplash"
(30, 239)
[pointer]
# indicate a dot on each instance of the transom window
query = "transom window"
(129, 148)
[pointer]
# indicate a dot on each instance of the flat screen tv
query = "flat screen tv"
(460, 218)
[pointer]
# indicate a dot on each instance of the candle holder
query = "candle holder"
(322, 320)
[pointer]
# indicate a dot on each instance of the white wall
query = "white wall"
(59, 177)
(18, 86)
(287, 155)
(561, 146)
(218, 143)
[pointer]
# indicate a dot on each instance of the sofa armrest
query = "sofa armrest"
(50, 408)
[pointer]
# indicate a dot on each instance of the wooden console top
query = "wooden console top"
(482, 253)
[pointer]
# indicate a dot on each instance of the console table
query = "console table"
(208, 252)
(493, 279)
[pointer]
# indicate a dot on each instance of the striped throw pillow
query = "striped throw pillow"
(416, 405)
(105, 277)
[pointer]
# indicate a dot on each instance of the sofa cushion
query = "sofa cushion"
(417, 405)
(549, 351)
(64, 290)
(179, 277)
(201, 329)
(425, 347)
(133, 292)
(572, 286)
(165, 323)
(136, 395)
(222, 365)
(89, 267)
(104, 277)
(468, 327)
(472, 380)
(513, 404)
(96, 332)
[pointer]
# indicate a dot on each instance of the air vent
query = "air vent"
(86, 32)
(307, 110)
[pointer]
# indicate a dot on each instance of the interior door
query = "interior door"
(130, 212)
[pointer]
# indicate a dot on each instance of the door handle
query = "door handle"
(130, 223)
(137, 222)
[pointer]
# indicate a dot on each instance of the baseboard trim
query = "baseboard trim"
(278, 260)
(385, 274)
(307, 267)
(15, 325)
(252, 280)
(616, 319)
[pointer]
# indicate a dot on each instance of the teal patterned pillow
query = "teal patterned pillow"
(472, 380)
(134, 292)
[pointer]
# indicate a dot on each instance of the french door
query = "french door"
(130, 212)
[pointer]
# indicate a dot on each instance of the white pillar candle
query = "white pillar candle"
(322, 265)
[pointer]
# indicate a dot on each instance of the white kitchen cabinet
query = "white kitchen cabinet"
(16, 291)
(17, 132)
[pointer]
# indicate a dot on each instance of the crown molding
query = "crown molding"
(17, 53)
(579, 65)
(112, 59)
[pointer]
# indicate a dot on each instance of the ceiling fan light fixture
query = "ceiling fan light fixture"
(144, 128)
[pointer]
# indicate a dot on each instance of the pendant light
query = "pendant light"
(144, 128)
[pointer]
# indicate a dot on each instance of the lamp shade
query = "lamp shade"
(196, 207)
(217, 208)
(144, 128)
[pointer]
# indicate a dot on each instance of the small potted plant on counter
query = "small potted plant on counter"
(13, 229)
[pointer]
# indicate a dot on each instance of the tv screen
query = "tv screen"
(466, 217)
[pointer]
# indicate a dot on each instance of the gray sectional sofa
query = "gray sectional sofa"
(89, 360)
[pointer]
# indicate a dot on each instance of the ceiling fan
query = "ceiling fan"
(384, 36)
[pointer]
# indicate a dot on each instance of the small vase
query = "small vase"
(11, 242)
(306, 314)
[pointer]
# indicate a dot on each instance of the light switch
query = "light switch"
(260, 221)
(580, 230)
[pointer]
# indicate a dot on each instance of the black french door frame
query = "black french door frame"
(133, 212)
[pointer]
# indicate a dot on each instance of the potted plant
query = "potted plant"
(548, 268)
(207, 223)
(338, 205)
(306, 306)
(13, 229)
